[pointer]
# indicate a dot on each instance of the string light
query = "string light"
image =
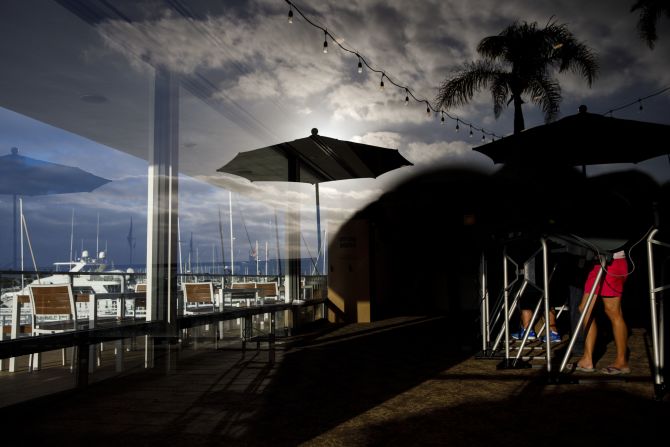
(483, 137)
(470, 130)
(362, 61)
(442, 119)
(638, 101)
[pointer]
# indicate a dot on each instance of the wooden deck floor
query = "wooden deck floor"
(404, 381)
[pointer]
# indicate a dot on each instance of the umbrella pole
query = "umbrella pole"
(318, 228)
(24, 227)
(292, 285)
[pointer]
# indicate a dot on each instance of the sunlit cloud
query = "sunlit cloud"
(256, 85)
(275, 76)
(366, 103)
(383, 139)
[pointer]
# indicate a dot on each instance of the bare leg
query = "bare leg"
(552, 320)
(619, 330)
(591, 331)
(526, 315)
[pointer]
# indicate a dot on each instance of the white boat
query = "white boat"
(88, 275)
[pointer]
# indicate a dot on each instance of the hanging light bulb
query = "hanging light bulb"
(381, 83)
(360, 65)
(325, 41)
(406, 96)
(640, 102)
(442, 119)
(427, 108)
(457, 126)
(470, 130)
(290, 14)
(483, 138)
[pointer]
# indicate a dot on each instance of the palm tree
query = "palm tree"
(650, 14)
(521, 61)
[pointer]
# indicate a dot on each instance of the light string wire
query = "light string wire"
(637, 101)
(384, 75)
(409, 93)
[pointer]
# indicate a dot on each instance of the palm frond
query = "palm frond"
(517, 61)
(469, 78)
(500, 91)
(650, 13)
(546, 92)
(493, 48)
(564, 50)
(578, 58)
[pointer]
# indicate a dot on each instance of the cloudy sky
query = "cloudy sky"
(269, 81)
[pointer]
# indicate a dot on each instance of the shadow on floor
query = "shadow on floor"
(402, 381)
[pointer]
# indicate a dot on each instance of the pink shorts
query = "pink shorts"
(615, 276)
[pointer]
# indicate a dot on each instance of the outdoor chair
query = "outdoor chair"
(243, 293)
(140, 301)
(53, 311)
(268, 291)
(198, 297)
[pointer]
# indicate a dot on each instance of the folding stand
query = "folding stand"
(657, 326)
(505, 313)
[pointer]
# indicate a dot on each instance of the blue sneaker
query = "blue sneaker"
(521, 332)
(554, 337)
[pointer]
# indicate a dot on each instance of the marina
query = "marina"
(269, 223)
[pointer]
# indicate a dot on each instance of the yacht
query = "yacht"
(90, 275)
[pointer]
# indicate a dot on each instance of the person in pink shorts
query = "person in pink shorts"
(610, 290)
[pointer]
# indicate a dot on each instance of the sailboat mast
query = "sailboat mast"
(181, 264)
(131, 243)
(21, 225)
(223, 253)
(72, 236)
(232, 240)
(277, 261)
(97, 238)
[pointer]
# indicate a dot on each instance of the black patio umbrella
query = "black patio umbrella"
(315, 159)
(582, 139)
(25, 176)
(539, 165)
